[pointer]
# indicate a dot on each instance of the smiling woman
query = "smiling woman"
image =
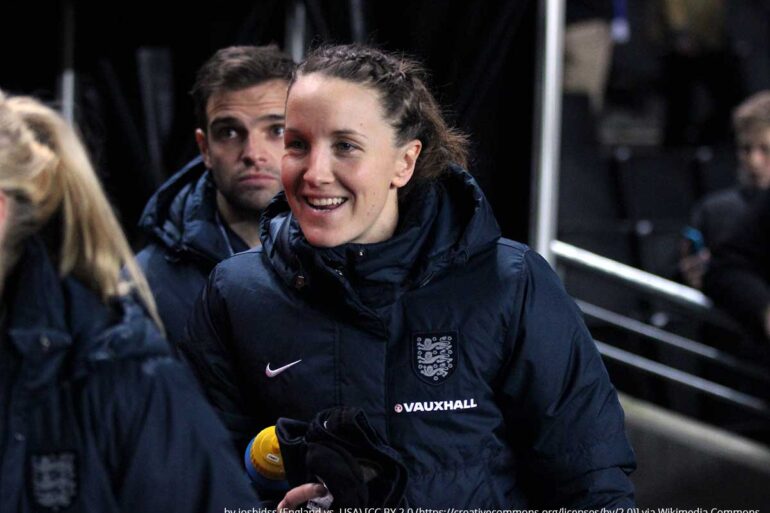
(343, 168)
(383, 277)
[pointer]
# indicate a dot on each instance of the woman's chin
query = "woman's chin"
(323, 237)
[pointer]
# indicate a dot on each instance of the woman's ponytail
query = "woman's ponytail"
(45, 167)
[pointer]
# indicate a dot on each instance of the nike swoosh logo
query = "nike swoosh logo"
(271, 373)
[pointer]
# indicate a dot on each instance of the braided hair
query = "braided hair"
(406, 101)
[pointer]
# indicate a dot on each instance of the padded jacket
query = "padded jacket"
(186, 242)
(462, 348)
(95, 415)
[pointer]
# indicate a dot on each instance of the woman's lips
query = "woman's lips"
(325, 203)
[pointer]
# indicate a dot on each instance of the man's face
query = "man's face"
(243, 144)
(754, 156)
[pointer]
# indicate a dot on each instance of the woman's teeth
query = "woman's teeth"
(325, 203)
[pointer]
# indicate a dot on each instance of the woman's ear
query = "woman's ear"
(407, 160)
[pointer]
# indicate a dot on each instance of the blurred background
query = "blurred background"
(597, 127)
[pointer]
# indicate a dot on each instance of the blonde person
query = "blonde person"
(95, 415)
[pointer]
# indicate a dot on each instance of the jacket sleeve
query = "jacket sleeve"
(206, 348)
(167, 449)
(739, 272)
(567, 422)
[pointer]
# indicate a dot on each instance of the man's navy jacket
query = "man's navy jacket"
(186, 242)
(462, 348)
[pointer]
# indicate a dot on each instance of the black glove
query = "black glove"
(341, 448)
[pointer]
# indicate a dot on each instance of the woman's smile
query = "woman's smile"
(324, 203)
(342, 169)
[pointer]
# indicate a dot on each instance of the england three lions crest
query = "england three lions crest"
(434, 355)
(54, 480)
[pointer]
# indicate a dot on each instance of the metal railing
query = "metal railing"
(632, 276)
(710, 353)
(692, 300)
(726, 394)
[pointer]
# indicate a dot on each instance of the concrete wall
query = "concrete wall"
(686, 464)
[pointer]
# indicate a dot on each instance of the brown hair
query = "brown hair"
(234, 68)
(405, 98)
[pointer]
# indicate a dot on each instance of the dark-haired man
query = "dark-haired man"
(210, 209)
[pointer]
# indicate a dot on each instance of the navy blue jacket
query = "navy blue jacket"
(186, 242)
(95, 415)
(462, 348)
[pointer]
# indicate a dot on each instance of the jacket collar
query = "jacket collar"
(37, 326)
(181, 215)
(55, 322)
(442, 224)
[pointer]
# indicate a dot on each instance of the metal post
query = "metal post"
(357, 27)
(67, 78)
(547, 133)
(296, 29)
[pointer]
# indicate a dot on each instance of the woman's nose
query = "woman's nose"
(319, 168)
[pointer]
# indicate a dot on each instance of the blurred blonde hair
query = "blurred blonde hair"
(753, 113)
(45, 170)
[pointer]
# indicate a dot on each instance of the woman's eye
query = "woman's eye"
(295, 144)
(344, 147)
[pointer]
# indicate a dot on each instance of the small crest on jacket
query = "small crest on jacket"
(434, 355)
(54, 479)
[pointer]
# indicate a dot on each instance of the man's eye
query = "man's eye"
(227, 133)
(277, 130)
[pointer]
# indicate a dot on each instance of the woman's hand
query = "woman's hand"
(300, 495)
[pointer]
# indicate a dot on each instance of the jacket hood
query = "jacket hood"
(54, 322)
(442, 224)
(181, 215)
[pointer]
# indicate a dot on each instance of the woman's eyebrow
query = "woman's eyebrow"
(336, 133)
(349, 132)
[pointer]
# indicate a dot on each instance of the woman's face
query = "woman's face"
(342, 168)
